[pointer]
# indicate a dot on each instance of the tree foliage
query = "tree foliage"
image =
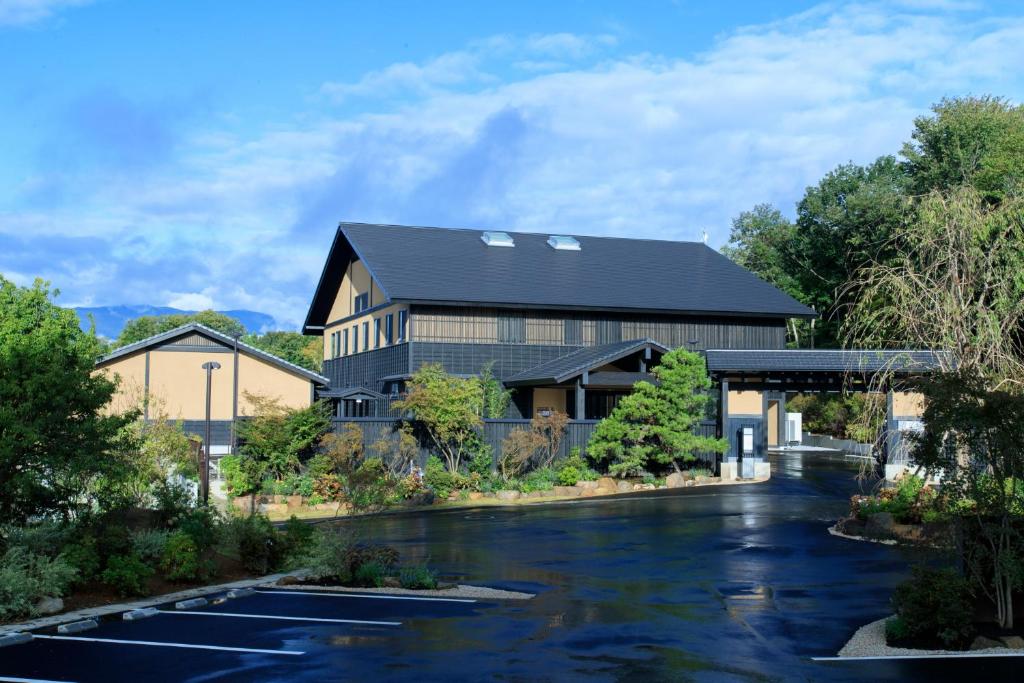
(55, 439)
(496, 398)
(654, 425)
(276, 439)
(148, 325)
(298, 349)
(449, 408)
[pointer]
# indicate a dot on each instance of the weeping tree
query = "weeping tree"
(654, 425)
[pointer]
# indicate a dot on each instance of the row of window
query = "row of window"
(361, 332)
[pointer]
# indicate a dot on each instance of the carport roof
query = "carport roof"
(831, 360)
(576, 363)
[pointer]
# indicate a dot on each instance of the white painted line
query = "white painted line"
(186, 646)
(966, 654)
(371, 596)
(10, 679)
(235, 615)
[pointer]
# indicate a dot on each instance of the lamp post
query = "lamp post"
(204, 465)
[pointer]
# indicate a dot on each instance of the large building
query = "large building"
(568, 322)
(168, 368)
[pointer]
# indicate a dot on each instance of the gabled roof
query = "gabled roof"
(576, 363)
(352, 393)
(831, 360)
(454, 266)
(178, 333)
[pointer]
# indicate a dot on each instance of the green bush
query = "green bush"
(127, 574)
(84, 556)
(183, 560)
(203, 526)
(575, 469)
(481, 463)
(417, 577)
(440, 480)
(329, 557)
(297, 538)
(173, 501)
(543, 479)
(26, 578)
(43, 538)
(936, 610)
(370, 575)
(260, 547)
(149, 545)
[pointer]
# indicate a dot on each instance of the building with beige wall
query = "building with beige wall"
(168, 369)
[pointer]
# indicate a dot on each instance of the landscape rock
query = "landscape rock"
(647, 487)
(269, 508)
(586, 485)
(1013, 642)
(288, 580)
(676, 480)
(983, 643)
(490, 494)
(508, 495)
(49, 606)
(623, 487)
(533, 494)
(392, 582)
(423, 498)
(691, 482)
(293, 501)
(606, 483)
(566, 491)
(475, 495)
(880, 525)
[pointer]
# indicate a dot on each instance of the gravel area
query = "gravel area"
(869, 641)
(460, 591)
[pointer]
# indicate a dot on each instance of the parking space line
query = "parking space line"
(370, 596)
(186, 646)
(11, 679)
(959, 655)
(237, 615)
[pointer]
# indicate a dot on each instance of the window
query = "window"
(344, 342)
(355, 339)
(403, 317)
(376, 333)
(366, 336)
(389, 329)
(573, 332)
(511, 329)
(361, 303)
(333, 348)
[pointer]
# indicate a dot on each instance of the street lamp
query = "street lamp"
(204, 466)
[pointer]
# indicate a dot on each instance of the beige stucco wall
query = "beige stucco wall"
(548, 398)
(258, 377)
(369, 318)
(131, 388)
(356, 280)
(745, 402)
(907, 404)
(773, 423)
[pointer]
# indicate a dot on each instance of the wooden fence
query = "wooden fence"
(577, 434)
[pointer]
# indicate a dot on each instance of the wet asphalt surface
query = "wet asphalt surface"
(739, 583)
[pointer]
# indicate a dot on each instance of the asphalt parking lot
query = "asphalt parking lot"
(263, 636)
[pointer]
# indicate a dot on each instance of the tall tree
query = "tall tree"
(306, 352)
(55, 438)
(146, 326)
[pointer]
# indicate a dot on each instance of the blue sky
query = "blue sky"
(201, 154)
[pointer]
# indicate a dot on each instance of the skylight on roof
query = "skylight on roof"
(494, 238)
(564, 243)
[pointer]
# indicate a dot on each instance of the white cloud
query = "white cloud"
(637, 145)
(23, 12)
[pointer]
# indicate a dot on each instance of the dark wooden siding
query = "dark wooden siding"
(369, 368)
(469, 359)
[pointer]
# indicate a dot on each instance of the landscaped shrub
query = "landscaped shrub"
(543, 479)
(183, 560)
(83, 556)
(203, 527)
(575, 469)
(417, 576)
(935, 609)
(127, 574)
(517, 449)
(481, 463)
(260, 548)
(329, 557)
(26, 578)
(441, 481)
(297, 538)
(149, 545)
(370, 575)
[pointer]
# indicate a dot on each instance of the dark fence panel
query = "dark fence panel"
(577, 434)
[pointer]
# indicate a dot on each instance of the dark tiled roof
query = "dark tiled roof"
(560, 369)
(813, 360)
(209, 332)
(443, 265)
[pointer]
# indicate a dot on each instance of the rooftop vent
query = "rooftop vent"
(497, 239)
(564, 243)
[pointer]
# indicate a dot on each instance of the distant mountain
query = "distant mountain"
(110, 319)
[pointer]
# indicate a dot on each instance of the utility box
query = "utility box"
(794, 429)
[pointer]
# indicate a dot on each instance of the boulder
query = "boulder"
(623, 487)
(638, 487)
(647, 487)
(534, 494)
(676, 480)
(392, 582)
(288, 580)
(566, 491)
(983, 643)
(49, 606)
(586, 485)
(475, 495)
(606, 483)
(490, 494)
(273, 508)
(509, 495)
(880, 525)
(590, 493)
(691, 482)
(1013, 642)
(422, 498)
(294, 502)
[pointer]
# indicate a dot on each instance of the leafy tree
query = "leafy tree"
(148, 325)
(276, 439)
(972, 140)
(306, 352)
(449, 408)
(496, 397)
(654, 424)
(55, 439)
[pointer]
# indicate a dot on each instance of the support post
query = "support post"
(581, 403)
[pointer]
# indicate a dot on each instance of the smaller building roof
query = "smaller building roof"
(352, 394)
(192, 328)
(576, 363)
(824, 360)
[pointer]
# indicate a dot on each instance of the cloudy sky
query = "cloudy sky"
(201, 154)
